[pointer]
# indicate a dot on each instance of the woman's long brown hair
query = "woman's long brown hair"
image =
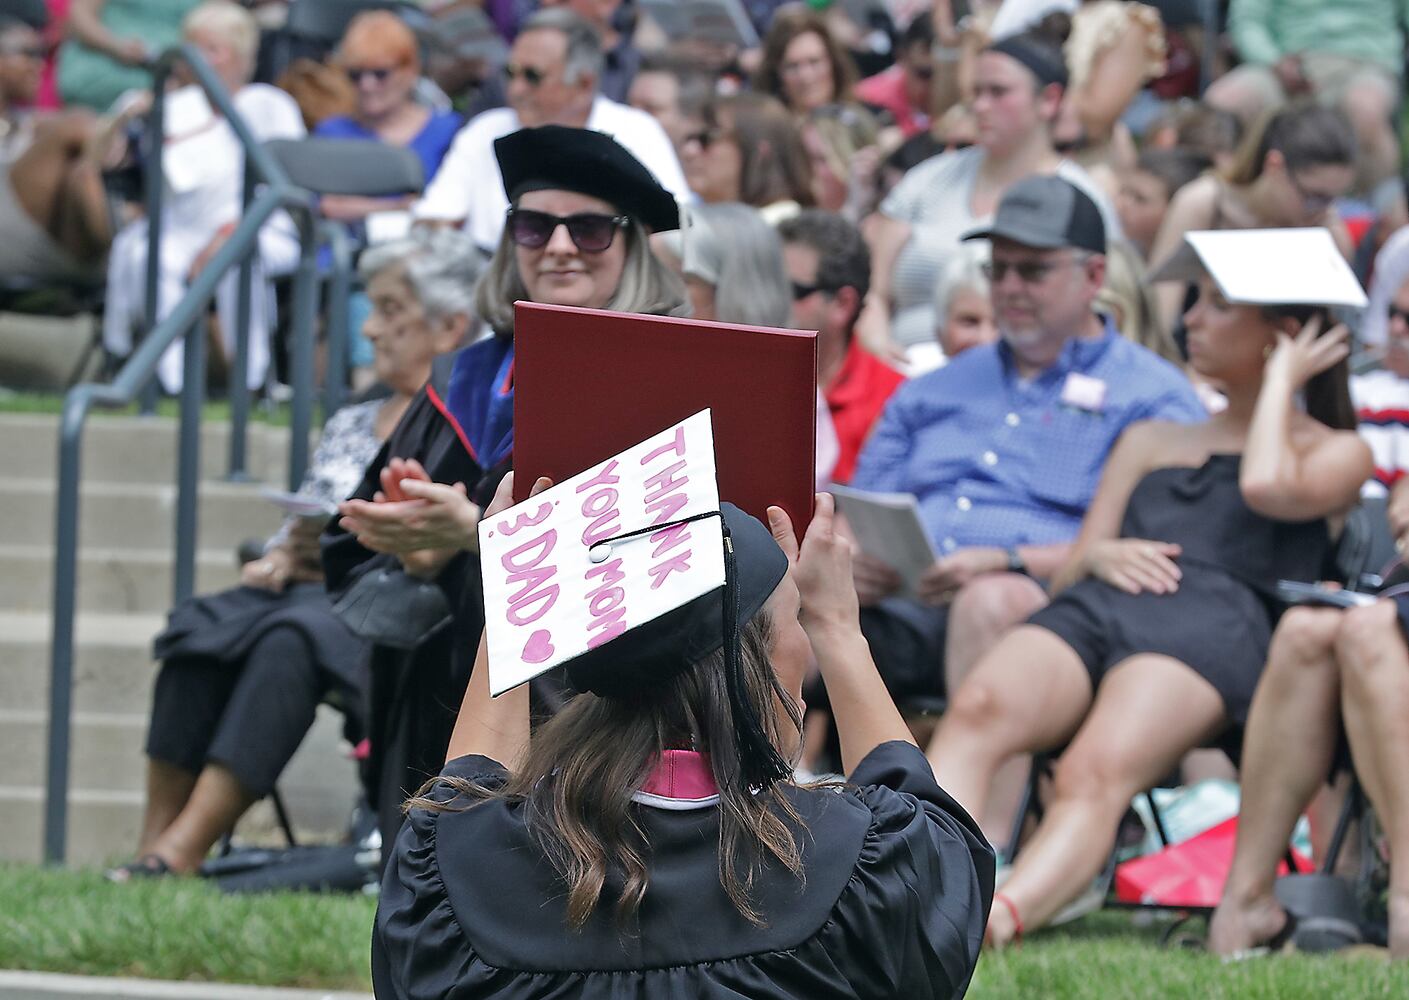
(584, 765)
(1327, 394)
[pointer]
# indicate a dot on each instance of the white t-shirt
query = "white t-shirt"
(468, 185)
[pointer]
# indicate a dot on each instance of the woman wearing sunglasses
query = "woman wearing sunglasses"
(380, 56)
(1288, 172)
(401, 559)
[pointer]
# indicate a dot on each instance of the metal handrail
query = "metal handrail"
(268, 191)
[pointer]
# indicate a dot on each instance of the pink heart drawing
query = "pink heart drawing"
(538, 648)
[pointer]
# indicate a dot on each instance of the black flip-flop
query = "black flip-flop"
(147, 866)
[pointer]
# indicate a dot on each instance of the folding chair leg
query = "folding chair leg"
(284, 824)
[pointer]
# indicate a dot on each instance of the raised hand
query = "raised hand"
(821, 567)
(1309, 353)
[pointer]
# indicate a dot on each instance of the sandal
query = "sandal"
(147, 866)
(1276, 943)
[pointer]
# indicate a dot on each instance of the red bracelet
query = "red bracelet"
(999, 897)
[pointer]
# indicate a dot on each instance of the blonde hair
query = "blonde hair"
(1128, 296)
(229, 22)
(646, 285)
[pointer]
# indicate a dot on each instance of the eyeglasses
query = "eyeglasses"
(533, 77)
(801, 291)
(591, 232)
(1315, 202)
(378, 74)
(1030, 272)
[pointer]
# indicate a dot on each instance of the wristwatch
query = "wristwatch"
(1016, 563)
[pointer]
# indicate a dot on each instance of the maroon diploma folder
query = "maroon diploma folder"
(589, 384)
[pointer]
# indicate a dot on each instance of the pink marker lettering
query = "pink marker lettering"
(668, 538)
(606, 603)
(525, 521)
(675, 447)
(675, 564)
(536, 596)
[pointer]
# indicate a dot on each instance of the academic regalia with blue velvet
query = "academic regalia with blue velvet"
(898, 888)
(460, 428)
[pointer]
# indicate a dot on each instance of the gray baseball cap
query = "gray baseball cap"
(1047, 213)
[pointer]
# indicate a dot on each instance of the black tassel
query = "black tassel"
(759, 760)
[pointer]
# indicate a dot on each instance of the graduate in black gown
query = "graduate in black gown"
(649, 840)
(400, 559)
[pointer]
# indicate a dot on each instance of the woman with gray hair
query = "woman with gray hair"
(581, 209)
(244, 670)
(962, 308)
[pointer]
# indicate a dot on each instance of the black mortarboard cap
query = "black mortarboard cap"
(588, 162)
(651, 654)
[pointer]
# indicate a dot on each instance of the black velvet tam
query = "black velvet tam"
(577, 159)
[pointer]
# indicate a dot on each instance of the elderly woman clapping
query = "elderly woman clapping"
(244, 670)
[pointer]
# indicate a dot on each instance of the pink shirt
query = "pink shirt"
(887, 90)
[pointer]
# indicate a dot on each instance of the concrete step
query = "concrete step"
(105, 752)
(136, 449)
(109, 580)
(107, 776)
(135, 515)
(113, 666)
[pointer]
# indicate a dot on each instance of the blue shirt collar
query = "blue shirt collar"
(1077, 354)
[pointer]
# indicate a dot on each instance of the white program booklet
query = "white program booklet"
(887, 526)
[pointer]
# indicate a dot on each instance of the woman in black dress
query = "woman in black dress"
(244, 670)
(577, 235)
(649, 841)
(1157, 639)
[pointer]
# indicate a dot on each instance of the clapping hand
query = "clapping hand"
(424, 522)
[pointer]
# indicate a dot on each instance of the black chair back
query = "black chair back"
(349, 166)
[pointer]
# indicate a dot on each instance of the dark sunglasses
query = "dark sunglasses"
(357, 73)
(533, 77)
(801, 291)
(1030, 271)
(591, 232)
(1401, 314)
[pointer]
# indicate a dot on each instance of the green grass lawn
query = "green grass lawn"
(75, 922)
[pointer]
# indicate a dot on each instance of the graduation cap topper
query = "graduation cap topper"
(1267, 267)
(630, 573)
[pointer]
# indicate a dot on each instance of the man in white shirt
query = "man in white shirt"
(552, 79)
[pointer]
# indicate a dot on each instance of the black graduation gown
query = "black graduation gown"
(414, 696)
(898, 888)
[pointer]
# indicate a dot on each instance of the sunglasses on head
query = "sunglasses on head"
(590, 232)
(378, 74)
(533, 77)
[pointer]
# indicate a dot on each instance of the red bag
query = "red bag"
(1190, 874)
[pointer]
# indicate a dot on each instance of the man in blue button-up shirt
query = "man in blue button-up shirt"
(1004, 445)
